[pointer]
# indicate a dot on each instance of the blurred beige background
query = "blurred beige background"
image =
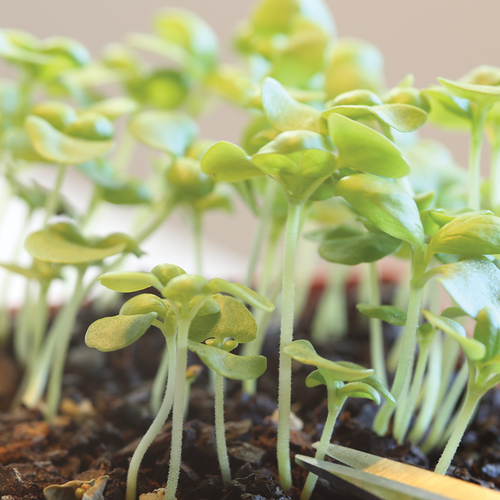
(427, 38)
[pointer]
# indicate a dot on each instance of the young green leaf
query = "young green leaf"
(472, 283)
(385, 204)
(362, 148)
(298, 160)
(235, 321)
(61, 148)
(165, 272)
(127, 282)
(447, 110)
(229, 365)
(186, 288)
(472, 348)
(359, 390)
(61, 243)
(483, 95)
(389, 314)
(285, 113)
(402, 117)
(303, 351)
(227, 162)
(168, 131)
(114, 107)
(218, 285)
(144, 304)
(117, 332)
(350, 245)
(487, 331)
(473, 233)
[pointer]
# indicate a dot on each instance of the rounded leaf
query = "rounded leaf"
(483, 95)
(385, 204)
(58, 114)
(165, 272)
(186, 287)
(127, 282)
(61, 148)
(389, 314)
(285, 113)
(145, 304)
(229, 365)
(168, 131)
(218, 285)
(114, 107)
(303, 351)
(235, 321)
(362, 148)
(91, 126)
(473, 349)
(472, 283)
(358, 390)
(473, 233)
(227, 162)
(402, 117)
(349, 245)
(487, 331)
(61, 243)
(117, 332)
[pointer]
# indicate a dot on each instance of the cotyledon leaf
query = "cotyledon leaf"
(61, 148)
(229, 365)
(362, 148)
(117, 332)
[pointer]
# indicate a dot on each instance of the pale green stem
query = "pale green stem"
(124, 153)
(363, 288)
(334, 408)
(307, 255)
(265, 219)
(178, 408)
(451, 355)
(445, 410)
(377, 353)
(159, 382)
(14, 258)
(53, 198)
(22, 326)
(432, 381)
(286, 337)
(157, 424)
(330, 318)
(395, 352)
(495, 173)
(466, 413)
(41, 320)
(197, 234)
(56, 375)
(402, 423)
(220, 437)
(262, 318)
(474, 184)
(403, 371)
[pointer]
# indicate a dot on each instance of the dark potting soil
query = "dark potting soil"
(105, 412)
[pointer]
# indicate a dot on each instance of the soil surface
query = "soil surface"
(104, 413)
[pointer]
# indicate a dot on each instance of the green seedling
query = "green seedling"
(302, 163)
(186, 295)
(236, 325)
(342, 380)
(464, 104)
(63, 244)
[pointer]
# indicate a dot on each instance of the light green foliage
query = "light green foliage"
(389, 314)
(378, 154)
(285, 113)
(472, 283)
(60, 147)
(300, 161)
(351, 245)
(91, 126)
(473, 349)
(471, 233)
(62, 243)
(168, 131)
(117, 332)
(385, 204)
(115, 107)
